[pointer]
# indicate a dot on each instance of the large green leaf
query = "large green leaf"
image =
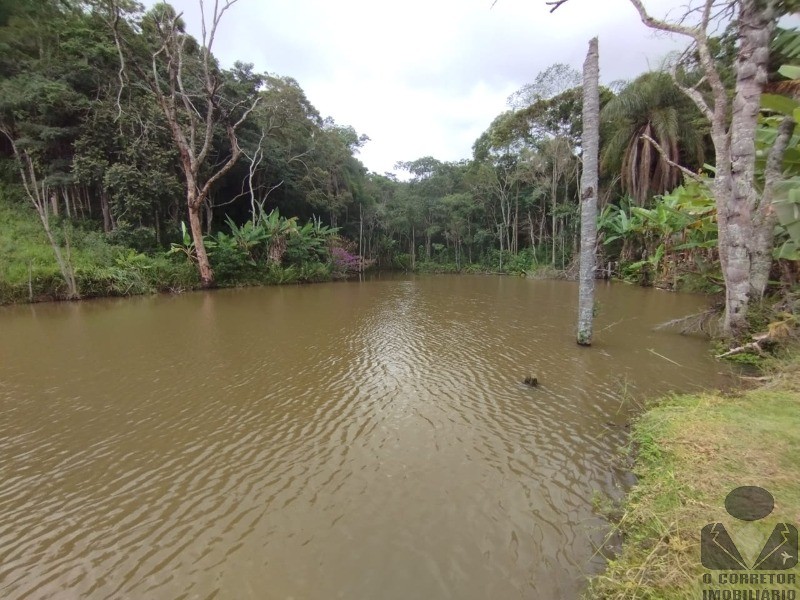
(787, 208)
(779, 104)
(790, 71)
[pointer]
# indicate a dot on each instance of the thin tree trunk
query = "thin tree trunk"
(766, 218)
(413, 249)
(553, 193)
(38, 195)
(196, 226)
(530, 227)
(65, 194)
(157, 224)
(209, 210)
(360, 238)
(589, 177)
(541, 225)
(106, 210)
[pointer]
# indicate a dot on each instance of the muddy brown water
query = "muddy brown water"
(361, 440)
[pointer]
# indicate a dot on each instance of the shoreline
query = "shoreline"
(689, 451)
(164, 288)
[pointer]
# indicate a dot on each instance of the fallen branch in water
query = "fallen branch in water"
(694, 323)
(754, 345)
(615, 324)
(664, 357)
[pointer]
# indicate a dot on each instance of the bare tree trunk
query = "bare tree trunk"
(38, 195)
(742, 230)
(553, 193)
(106, 210)
(157, 225)
(743, 214)
(530, 229)
(66, 202)
(500, 235)
(589, 177)
(196, 227)
(209, 210)
(755, 30)
(360, 238)
(192, 128)
(541, 225)
(413, 248)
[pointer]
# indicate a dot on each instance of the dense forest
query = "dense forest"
(132, 161)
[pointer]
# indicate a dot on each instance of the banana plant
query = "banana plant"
(186, 246)
(787, 207)
(786, 194)
(249, 237)
(277, 229)
(310, 242)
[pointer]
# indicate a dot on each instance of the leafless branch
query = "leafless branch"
(669, 161)
(752, 346)
(246, 113)
(121, 74)
(654, 23)
(555, 4)
(191, 110)
(694, 94)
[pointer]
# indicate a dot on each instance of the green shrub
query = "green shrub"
(141, 239)
(401, 262)
(315, 272)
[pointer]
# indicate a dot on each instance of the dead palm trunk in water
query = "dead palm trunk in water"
(591, 145)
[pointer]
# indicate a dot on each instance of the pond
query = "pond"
(356, 440)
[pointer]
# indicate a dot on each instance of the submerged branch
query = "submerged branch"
(695, 323)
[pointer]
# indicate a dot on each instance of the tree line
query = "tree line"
(116, 118)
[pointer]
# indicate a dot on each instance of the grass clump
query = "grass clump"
(29, 272)
(691, 451)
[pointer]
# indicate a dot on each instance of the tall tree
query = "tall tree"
(743, 205)
(551, 82)
(589, 177)
(44, 84)
(652, 106)
(190, 89)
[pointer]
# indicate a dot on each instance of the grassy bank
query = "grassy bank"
(105, 265)
(690, 452)
(29, 272)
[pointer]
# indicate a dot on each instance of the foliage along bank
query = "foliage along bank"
(87, 143)
(691, 451)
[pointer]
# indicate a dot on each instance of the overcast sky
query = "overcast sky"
(427, 77)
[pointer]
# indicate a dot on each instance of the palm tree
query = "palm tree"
(651, 105)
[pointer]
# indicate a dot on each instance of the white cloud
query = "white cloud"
(426, 77)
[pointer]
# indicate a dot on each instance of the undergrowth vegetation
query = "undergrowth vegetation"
(271, 250)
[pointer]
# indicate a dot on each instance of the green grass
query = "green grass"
(28, 268)
(690, 452)
(29, 272)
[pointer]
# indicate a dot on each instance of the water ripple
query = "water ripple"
(354, 440)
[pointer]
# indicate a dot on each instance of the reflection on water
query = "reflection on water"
(350, 440)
